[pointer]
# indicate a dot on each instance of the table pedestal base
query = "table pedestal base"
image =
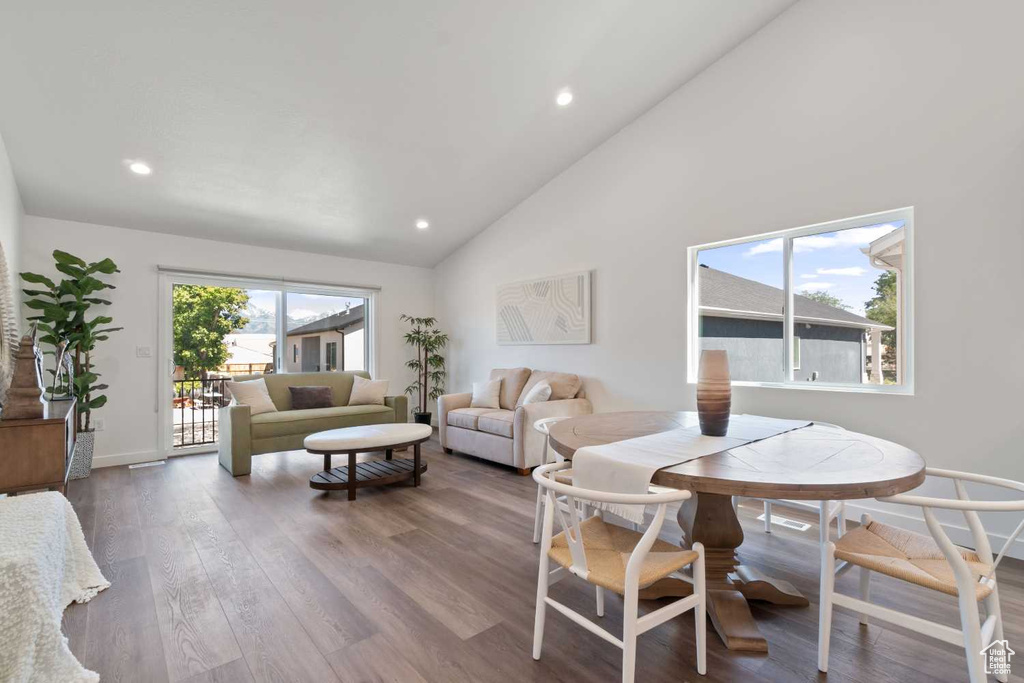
(711, 520)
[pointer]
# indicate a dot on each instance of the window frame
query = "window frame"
(906, 330)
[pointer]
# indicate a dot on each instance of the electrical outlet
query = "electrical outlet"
(143, 351)
(97, 424)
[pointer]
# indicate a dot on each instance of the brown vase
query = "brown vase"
(714, 393)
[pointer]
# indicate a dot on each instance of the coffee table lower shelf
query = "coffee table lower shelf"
(370, 473)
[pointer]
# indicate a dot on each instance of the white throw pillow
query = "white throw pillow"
(540, 393)
(253, 394)
(368, 392)
(486, 394)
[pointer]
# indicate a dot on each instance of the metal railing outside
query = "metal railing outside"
(195, 405)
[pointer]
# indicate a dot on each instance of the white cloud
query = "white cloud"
(768, 247)
(852, 270)
(808, 276)
(855, 237)
(815, 286)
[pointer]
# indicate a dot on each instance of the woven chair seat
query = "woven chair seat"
(608, 548)
(564, 477)
(908, 556)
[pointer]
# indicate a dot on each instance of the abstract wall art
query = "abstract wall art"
(551, 310)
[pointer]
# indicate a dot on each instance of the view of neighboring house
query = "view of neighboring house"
(336, 342)
(744, 317)
(248, 354)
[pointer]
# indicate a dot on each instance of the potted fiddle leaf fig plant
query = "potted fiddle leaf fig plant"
(65, 317)
(428, 364)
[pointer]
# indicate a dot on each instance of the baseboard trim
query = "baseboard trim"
(959, 534)
(118, 459)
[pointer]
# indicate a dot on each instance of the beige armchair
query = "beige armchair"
(506, 435)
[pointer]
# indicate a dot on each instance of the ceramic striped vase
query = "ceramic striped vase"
(714, 393)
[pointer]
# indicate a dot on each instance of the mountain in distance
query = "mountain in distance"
(262, 321)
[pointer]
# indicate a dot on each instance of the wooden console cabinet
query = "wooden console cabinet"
(37, 454)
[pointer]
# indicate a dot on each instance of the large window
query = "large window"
(826, 306)
(214, 328)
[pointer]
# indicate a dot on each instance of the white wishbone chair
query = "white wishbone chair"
(543, 426)
(933, 562)
(614, 558)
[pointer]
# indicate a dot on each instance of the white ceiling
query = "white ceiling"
(332, 126)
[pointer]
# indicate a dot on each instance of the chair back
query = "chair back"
(970, 509)
(577, 499)
(543, 426)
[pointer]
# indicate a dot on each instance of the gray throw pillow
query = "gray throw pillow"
(304, 398)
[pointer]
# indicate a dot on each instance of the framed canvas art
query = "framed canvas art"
(550, 310)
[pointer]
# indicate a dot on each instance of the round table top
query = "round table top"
(819, 462)
(367, 437)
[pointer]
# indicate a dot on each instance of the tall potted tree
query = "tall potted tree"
(428, 364)
(63, 311)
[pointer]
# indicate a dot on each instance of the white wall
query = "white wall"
(835, 109)
(131, 433)
(11, 216)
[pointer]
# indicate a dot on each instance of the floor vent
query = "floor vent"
(786, 522)
(154, 463)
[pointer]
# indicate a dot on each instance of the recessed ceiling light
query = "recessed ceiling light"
(564, 98)
(422, 224)
(139, 168)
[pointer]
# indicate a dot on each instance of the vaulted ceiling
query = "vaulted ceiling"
(327, 125)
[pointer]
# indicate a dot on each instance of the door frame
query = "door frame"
(169, 277)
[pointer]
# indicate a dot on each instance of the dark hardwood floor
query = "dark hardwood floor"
(260, 578)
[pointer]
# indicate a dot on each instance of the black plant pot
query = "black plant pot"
(421, 418)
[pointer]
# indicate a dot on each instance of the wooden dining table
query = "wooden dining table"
(817, 462)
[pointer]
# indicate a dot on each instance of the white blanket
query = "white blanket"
(45, 565)
(628, 466)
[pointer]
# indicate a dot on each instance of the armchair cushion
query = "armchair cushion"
(563, 385)
(466, 417)
(498, 422)
(512, 382)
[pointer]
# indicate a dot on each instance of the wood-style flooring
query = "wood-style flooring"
(260, 578)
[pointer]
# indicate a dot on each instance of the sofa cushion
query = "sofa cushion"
(513, 381)
(291, 422)
(563, 384)
(466, 417)
(368, 392)
(277, 385)
(486, 394)
(252, 393)
(498, 422)
(307, 398)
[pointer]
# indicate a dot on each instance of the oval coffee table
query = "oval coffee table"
(352, 440)
(813, 463)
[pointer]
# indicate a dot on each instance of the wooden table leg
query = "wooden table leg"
(387, 454)
(416, 465)
(711, 520)
(351, 476)
(327, 461)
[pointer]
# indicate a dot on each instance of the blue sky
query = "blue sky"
(830, 262)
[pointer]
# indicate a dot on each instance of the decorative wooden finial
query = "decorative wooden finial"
(25, 397)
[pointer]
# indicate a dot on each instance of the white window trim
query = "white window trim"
(907, 280)
(168, 277)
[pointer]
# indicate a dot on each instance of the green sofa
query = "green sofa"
(243, 435)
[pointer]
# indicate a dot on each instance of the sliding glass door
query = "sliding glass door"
(325, 332)
(216, 328)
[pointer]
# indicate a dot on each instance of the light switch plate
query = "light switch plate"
(144, 351)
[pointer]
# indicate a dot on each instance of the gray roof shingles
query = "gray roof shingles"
(719, 289)
(331, 322)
